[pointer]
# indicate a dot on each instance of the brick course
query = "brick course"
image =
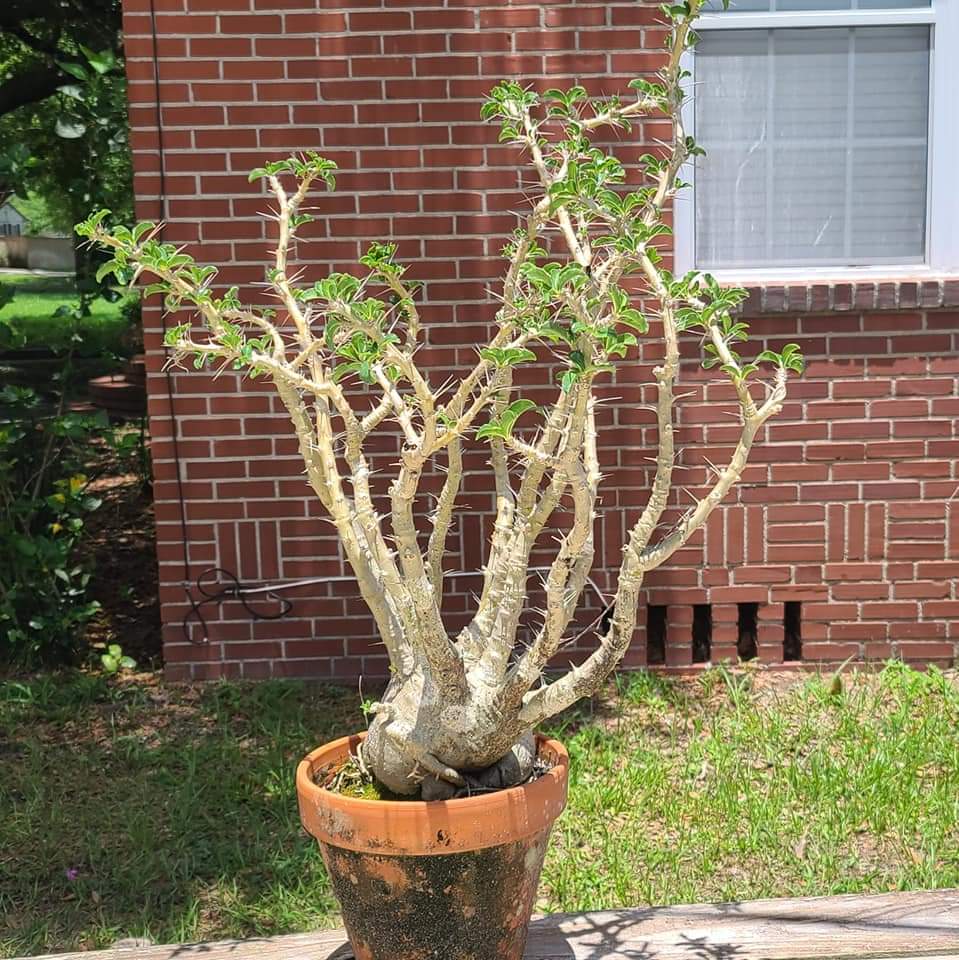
(846, 507)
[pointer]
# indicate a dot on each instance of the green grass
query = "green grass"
(32, 313)
(176, 807)
(743, 790)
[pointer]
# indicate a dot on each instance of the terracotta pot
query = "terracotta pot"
(447, 880)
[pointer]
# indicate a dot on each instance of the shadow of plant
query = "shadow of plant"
(133, 809)
(140, 810)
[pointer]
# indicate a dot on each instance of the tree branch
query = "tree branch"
(30, 85)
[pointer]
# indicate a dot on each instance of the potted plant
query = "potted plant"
(434, 822)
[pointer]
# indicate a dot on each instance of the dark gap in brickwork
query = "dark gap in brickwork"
(748, 618)
(702, 632)
(792, 630)
(655, 635)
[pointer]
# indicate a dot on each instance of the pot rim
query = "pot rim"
(425, 828)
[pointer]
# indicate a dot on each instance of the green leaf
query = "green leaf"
(507, 356)
(490, 430)
(74, 69)
(501, 427)
(513, 412)
(86, 228)
(111, 266)
(634, 319)
(27, 547)
(141, 230)
(103, 62)
(174, 335)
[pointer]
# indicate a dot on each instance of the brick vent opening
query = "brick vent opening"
(655, 635)
(746, 644)
(792, 631)
(702, 632)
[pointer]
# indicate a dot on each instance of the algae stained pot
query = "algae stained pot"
(445, 880)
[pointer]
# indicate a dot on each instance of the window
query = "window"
(831, 139)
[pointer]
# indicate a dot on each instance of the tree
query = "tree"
(458, 705)
(38, 36)
(63, 123)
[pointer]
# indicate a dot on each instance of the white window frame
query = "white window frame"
(942, 186)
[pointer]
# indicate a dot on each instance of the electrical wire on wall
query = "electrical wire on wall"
(207, 584)
(161, 220)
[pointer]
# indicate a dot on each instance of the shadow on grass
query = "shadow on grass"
(138, 809)
(135, 809)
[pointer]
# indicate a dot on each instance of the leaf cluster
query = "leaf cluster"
(46, 497)
(308, 166)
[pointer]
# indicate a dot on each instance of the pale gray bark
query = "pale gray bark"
(460, 710)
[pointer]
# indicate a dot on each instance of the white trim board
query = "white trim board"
(942, 196)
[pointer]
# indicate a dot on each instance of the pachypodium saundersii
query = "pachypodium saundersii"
(342, 354)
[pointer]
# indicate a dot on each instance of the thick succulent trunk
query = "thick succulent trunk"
(459, 712)
(420, 739)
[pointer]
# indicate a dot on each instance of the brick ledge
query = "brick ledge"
(847, 295)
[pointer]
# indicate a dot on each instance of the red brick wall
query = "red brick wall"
(846, 507)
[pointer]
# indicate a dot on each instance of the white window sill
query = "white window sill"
(811, 276)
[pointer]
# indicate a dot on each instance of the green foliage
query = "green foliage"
(656, 92)
(360, 354)
(621, 225)
(741, 786)
(501, 427)
(46, 44)
(310, 165)
(625, 314)
(712, 307)
(70, 150)
(336, 288)
(575, 304)
(92, 112)
(46, 312)
(40, 219)
(11, 336)
(113, 661)
(43, 602)
(580, 367)
(553, 280)
(506, 102)
(789, 358)
(379, 257)
(507, 356)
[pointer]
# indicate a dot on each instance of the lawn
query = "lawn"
(132, 808)
(32, 314)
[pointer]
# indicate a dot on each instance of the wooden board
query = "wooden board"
(904, 926)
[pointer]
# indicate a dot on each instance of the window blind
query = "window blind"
(816, 142)
(778, 6)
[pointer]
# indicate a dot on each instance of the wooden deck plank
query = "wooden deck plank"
(897, 926)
